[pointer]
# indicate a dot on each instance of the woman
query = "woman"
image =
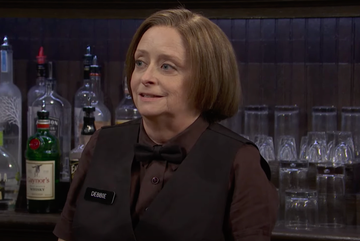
(175, 174)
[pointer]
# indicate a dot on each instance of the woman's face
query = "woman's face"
(161, 76)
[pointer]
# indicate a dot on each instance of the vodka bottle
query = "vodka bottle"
(60, 121)
(38, 89)
(82, 95)
(10, 104)
(126, 109)
(93, 91)
(9, 177)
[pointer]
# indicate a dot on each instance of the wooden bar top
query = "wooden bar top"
(19, 225)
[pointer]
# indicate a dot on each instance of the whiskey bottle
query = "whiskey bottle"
(42, 167)
(88, 129)
(9, 177)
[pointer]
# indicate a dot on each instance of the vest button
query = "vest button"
(155, 180)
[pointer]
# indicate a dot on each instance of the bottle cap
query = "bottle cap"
(41, 58)
(87, 56)
(5, 45)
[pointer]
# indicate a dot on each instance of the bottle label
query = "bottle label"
(120, 121)
(40, 180)
(54, 126)
(4, 61)
(73, 167)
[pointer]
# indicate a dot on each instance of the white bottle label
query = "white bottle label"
(40, 180)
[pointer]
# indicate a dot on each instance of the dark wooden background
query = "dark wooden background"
(303, 61)
(304, 52)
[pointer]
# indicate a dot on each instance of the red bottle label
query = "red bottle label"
(34, 144)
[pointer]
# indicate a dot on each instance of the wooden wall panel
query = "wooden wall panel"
(303, 61)
(356, 84)
(284, 40)
(298, 50)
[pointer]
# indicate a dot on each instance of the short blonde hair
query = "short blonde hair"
(215, 86)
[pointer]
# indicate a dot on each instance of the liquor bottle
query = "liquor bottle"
(126, 109)
(102, 113)
(82, 95)
(10, 104)
(42, 167)
(60, 120)
(88, 129)
(37, 90)
(9, 177)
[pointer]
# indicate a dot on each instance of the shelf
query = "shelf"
(210, 8)
(40, 226)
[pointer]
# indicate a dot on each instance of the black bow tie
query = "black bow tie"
(172, 153)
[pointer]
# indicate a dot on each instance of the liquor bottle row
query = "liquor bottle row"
(88, 109)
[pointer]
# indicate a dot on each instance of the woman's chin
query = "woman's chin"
(151, 114)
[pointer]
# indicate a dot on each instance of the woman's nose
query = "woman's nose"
(148, 76)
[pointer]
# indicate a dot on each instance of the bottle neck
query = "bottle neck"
(95, 82)
(43, 126)
(49, 86)
(86, 72)
(41, 74)
(6, 66)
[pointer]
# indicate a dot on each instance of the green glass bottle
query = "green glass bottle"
(42, 168)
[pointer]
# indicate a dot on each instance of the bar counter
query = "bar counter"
(30, 227)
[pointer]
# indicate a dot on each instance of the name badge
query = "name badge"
(100, 196)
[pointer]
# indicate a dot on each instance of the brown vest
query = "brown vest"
(191, 206)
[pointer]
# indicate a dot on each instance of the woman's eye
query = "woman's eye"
(167, 67)
(139, 63)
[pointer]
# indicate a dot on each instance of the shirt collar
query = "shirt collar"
(186, 139)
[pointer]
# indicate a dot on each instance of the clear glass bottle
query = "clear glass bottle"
(38, 89)
(102, 113)
(82, 95)
(88, 129)
(9, 177)
(10, 104)
(60, 121)
(42, 167)
(126, 110)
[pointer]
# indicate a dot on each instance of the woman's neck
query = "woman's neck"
(161, 131)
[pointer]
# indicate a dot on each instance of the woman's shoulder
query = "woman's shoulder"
(227, 133)
(123, 125)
